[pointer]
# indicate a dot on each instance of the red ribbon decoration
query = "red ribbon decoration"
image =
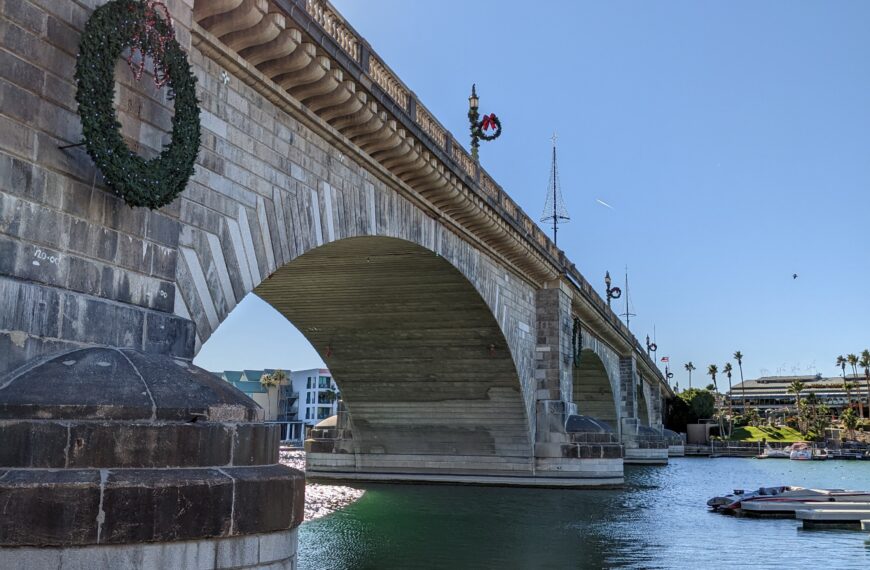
(488, 122)
(158, 43)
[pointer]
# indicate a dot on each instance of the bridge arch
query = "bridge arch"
(594, 389)
(422, 363)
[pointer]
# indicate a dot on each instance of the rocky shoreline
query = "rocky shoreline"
(320, 500)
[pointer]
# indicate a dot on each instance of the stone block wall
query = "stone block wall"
(627, 384)
(553, 352)
(77, 266)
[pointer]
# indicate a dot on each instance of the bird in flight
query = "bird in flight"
(794, 275)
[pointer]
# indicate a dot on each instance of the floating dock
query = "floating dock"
(832, 518)
(786, 509)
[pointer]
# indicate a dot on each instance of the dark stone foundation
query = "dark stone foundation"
(107, 446)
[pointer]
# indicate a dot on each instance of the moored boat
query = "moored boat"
(801, 452)
(771, 453)
(733, 503)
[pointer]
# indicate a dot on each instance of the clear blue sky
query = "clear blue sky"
(731, 138)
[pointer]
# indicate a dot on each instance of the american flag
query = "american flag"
(666, 358)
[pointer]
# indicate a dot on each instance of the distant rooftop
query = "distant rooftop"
(779, 385)
(248, 381)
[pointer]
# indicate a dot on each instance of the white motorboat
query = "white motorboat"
(801, 452)
(732, 504)
(771, 453)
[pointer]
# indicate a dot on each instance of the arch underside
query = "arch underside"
(642, 405)
(422, 365)
(593, 392)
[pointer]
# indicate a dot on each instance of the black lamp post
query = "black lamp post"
(612, 292)
(480, 127)
(473, 118)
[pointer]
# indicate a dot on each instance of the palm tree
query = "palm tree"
(712, 370)
(272, 380)
(865, 364)
(689, 367)
(738, 356)
(727, 370)
(852, 359)
(796, 387)
(850, 421)
(812, 402)
(848, 387)
(841, 362)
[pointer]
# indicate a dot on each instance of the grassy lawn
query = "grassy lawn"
(780, 434)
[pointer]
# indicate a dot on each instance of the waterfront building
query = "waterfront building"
(318, 394)
(248, 381)
(771, 393)
(308, 396)
(279, 403)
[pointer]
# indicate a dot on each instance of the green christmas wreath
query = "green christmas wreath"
(489, 122)
(112, 28)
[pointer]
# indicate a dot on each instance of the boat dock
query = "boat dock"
(754, 449)
(787, 509)
(835, 518)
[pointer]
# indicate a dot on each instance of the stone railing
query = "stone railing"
(431, 127)
(463, 159)
(334, 25)
(388, 82)
(489, 186)
(509, 206)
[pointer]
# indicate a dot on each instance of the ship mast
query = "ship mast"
(627, 314)
(554, 207)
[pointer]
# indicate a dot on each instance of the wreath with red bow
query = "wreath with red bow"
(489, 122)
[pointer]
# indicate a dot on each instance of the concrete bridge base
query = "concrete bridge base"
(676, 443)
(643, 445)
(646, 456)
(114, 458)
(584, 457)
(270, 551)
(560, 475)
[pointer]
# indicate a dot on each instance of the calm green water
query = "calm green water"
(659, 520)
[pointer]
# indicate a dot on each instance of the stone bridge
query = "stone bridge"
(467, 347)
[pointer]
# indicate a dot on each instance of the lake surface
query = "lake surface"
(658, 520)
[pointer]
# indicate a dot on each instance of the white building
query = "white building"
(318, 394)
(309, 397)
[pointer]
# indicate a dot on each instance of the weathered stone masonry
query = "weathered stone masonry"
(273, 182)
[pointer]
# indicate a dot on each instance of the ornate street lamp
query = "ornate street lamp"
(479, 127)
(612, 292)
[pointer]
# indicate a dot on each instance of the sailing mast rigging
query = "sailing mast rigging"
(627, 314)
(555, 211)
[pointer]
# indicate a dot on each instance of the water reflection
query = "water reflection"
(657, 521)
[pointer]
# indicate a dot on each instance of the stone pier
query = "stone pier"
(118, 459)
